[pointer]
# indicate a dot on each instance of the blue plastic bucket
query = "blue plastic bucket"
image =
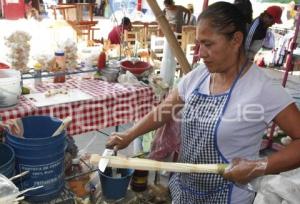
(7, 160)
(41, 155)
(35, 151)
(114, 188)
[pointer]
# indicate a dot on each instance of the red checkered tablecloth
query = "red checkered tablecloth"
(112, 104)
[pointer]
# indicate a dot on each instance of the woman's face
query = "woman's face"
(218, 52)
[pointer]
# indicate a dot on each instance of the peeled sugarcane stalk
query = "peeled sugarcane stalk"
(166, 29)
(151, 165)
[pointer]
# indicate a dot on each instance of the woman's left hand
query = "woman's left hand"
(242, 171)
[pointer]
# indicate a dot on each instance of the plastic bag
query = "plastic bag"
(278, 189)
(168, 64)
(269, 40)
(15, 127)
(160, 88)
(167, 140)
(129, 79)
(8, 191)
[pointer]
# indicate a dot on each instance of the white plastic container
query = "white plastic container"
(10, 87)
(109, 74)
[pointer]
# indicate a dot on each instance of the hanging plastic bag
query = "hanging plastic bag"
(168, 65)
(167, 140)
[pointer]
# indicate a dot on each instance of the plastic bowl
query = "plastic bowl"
(135, 67)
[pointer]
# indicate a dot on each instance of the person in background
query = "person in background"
(291, 10)
(115, 34)
(107, 9)
(289, 15)
(259, 27)
(193, 20)
(31, 12)
(100, 8)
(227, 104)
(176, 14)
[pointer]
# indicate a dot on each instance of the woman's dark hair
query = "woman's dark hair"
(225, 18)
(245, 7)
(168, 2)
(125, 21)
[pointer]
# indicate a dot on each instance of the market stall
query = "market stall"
(106, 104)
(59, 86)
(93, 104)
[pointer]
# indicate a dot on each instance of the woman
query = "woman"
(176, 14)
(226, 106)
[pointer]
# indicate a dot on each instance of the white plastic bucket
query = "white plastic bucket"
(10, 87)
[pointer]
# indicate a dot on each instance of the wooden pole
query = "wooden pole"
(172, 40)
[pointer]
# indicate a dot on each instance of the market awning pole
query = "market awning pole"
(205, 5)
(139, 5)
(172, 40)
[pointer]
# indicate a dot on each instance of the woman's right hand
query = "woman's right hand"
(118, 140)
